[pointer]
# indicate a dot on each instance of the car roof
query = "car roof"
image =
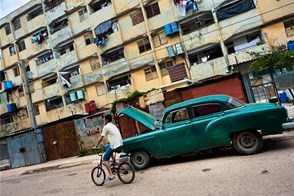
(215, 98)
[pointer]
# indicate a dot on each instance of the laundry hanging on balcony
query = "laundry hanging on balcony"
(228, 11)
(186, 5)
(103, 30)
(39, 37)
(65, 78)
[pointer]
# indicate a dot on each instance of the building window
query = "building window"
(88, 38)
(17, 24)
(119, 82)
(16, 71)
(144, 45)
(289, 27)
(98, 5)
(112, 56)
(12, 50)
(23, 113)
(49, 81)
(7, 29)
(164, 67)
(95, 64)
(6, 119)
(83, 14)
(159, 39)
(21, 45)
(101, 90)
(152, 10)
(37, 110)
(44, 58)
(150, 73)
(53, 103)
(197, 23)
(20, 92)
(137, 17)
(65, 49)
(34, 13)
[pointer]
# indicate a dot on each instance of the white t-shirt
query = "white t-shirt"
(113, 135)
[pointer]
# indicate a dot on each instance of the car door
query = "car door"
(211, 125)
(177, 136)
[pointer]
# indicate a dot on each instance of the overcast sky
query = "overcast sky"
(7, 6)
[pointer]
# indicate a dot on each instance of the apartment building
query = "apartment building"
(81, 55)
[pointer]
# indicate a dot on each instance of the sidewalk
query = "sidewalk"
(50, 165)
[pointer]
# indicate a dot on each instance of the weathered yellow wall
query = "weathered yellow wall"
(276, 34)
(272, 9)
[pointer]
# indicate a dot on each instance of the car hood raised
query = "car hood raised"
(140, 116)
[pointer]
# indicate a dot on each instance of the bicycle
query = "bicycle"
(123, 169)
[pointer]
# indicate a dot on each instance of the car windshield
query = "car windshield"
(234, 103)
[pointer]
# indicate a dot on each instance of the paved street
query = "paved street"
(222, 172)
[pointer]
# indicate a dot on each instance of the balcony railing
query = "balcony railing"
(208, 69)
(59, 36)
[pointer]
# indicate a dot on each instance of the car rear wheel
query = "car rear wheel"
(247, 142)
(140, 159)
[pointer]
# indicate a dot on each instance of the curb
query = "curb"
(56, 167)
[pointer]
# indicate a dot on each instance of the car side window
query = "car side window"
(176, 116)
(205, 109)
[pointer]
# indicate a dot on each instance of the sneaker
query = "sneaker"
(109, 178)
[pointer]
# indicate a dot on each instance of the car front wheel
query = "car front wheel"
(247, 142)
(140, 159)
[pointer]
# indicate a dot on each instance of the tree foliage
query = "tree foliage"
(275, 58)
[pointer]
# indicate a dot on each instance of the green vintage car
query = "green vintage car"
(201, 124)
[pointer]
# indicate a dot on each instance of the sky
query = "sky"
(7, 6)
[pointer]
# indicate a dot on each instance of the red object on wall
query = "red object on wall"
(90, 106)
(231, 86)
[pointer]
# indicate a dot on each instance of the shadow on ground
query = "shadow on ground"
(276, 143)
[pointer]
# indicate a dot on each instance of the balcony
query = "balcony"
(60, 36)
(68, 58)
(36, 23)
(53, 90)
(243, 56)
(202, 6)
(76, 81)
(200, 37)
(54, 11)
(92, 77)
(80, 26)
(112, 40)
(119, 93)
(115, 68)
(21, 32)
(48, 67)
(101, 15)
(133, 31)
(208, 69)
(245, 22)
(6, 39)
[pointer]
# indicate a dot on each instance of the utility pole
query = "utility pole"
(26, 87)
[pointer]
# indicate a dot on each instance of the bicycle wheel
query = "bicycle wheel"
(98, 175)
(126, 173)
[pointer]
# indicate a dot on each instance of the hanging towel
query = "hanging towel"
(65, 78)
(168, 30)
(182, 10)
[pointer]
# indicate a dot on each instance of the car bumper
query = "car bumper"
(289, 125)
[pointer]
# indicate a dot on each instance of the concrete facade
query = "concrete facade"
(135, 55)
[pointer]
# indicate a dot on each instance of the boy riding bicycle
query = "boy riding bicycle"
(111, 132)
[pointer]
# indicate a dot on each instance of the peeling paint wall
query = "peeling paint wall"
(276, 34)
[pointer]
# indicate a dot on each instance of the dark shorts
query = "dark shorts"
(109, 151)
